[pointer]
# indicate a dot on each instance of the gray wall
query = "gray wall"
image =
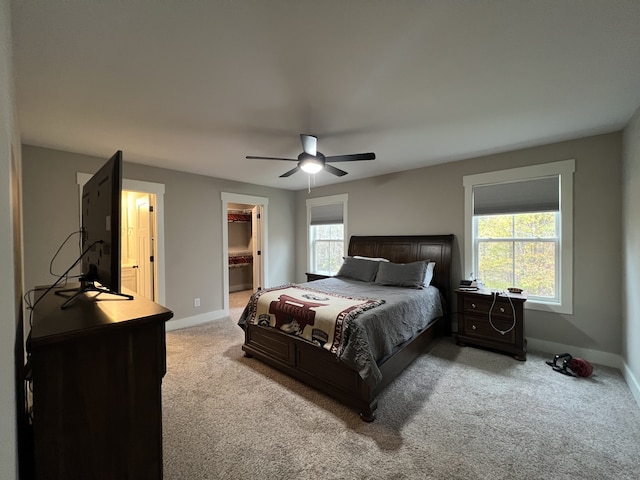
(431, 201)
(631, 253)
(193, 222)
(11, 338)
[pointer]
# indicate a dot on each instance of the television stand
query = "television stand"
(88, 286)
(97, 373)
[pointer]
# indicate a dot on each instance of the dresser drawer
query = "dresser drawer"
(480, 327)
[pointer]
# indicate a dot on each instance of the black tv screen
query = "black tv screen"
(101, 217)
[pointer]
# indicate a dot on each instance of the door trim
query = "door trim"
(263, 259)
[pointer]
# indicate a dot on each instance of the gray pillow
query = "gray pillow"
(358, 269)
(402, 274)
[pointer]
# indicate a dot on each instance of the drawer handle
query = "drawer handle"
(473, 327)
(501, 309)
(473, 305)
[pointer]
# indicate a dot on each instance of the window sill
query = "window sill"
(548, 307)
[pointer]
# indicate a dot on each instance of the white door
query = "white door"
(256, 241)
(144, 242)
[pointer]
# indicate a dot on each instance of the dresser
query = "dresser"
(492, 321)
(97, 375)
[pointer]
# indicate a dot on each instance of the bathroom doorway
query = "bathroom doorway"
(138, 243)
(153, 280)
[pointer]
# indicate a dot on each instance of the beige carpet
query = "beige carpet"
(455, 413)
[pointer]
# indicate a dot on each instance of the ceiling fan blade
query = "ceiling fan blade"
(334, 170)
(309, 144)
(249, 157)
(290, 172)
(351, 158)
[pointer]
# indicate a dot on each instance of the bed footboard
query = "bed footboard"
(312, 365)
(322, 370)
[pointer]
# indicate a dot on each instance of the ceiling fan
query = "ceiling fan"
(312, 161)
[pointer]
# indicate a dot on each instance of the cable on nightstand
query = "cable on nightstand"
(513, 311)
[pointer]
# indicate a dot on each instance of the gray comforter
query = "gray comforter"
(377, 332)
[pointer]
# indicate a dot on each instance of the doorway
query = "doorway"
(242, 227)
(138, 240)
(153, 281)
(244, 231)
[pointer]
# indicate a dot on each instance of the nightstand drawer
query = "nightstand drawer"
(476, 305)
(480, 327)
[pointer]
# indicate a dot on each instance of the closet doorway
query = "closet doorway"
(243, 223)
(244, 244)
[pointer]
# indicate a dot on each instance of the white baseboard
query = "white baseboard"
(592, 356)
(207, 317)
(632, 381)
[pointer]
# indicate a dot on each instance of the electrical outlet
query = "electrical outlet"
(196, 302)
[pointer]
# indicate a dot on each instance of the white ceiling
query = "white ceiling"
(198, 85)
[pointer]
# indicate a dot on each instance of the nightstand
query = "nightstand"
(497, 325)
(312, 277)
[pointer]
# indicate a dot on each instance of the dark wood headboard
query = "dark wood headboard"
(410, 248)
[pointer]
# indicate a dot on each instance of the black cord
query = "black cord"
(27, 366)
(64, 275)
(31, 307)
(60, 248)
(27, 295)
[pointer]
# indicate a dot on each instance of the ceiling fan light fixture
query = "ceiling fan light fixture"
(311, 161)
(310, 165)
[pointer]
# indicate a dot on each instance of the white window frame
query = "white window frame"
(322, 201)
(565, 170)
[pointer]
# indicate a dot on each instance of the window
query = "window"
(326, 220)
(518, 250)
(518, 232)
(327, 248)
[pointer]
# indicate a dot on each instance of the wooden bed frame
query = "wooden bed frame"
(321, 369)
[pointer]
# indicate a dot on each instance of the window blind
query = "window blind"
(327, 214)
(535, 195)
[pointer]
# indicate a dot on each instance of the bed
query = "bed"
(355, 365)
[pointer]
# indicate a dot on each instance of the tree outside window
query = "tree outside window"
(327, 248)
(519, 250)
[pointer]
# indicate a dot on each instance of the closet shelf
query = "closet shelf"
(240, 260)
(239, 218)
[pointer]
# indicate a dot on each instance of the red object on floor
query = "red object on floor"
(580, 367)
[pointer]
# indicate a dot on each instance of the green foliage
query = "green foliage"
(518, 250)
(327, 242)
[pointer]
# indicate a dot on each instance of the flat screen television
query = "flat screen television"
(101, 218)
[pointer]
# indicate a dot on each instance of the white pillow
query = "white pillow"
(373, 259)
(428, 275)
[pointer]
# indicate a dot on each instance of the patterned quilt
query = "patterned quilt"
(315, 316)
